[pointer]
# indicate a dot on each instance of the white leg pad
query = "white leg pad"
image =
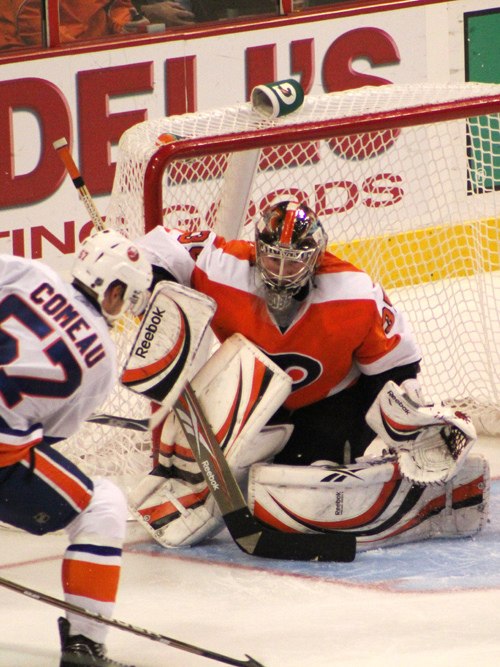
(371, 499)
(179, 511)
(173, 512)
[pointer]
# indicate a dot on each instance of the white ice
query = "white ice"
(435, 603)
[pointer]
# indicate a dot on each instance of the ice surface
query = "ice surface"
(435, 603)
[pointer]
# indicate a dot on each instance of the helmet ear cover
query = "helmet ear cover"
(108, 258)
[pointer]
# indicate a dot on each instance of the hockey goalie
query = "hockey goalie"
(314, 363)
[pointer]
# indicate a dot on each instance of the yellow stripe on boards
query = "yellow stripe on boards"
(425, 255)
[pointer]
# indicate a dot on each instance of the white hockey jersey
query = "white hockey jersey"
(57, 359)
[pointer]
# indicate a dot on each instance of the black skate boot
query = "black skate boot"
(80, 650)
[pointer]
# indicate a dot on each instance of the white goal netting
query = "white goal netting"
(405, 179)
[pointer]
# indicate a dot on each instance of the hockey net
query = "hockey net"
(406, 181)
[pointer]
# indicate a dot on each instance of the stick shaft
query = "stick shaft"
(62, 148)
(121, 625)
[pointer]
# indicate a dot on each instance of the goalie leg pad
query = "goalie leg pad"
(239, 390)
(181, 512)
(258, 388)
(175, 513)
(178, 512)
(175, 457)
(172, 503)
(370, 499)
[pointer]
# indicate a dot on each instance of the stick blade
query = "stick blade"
(255, 539)
(331, 547)
(119, 422)
(251, 662)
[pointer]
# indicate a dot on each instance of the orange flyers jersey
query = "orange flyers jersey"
(346, 326)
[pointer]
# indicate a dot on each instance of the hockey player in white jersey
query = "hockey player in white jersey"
(57, 365)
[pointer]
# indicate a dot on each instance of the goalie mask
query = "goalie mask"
(289, 243)
(107, 258)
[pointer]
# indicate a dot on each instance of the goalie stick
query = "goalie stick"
(127, 627)
(251, 537)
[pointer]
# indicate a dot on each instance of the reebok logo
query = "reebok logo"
(339, 503)
(210, 475)
(398, 402)
(149, 333)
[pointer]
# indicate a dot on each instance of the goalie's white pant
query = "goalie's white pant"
(371, 499)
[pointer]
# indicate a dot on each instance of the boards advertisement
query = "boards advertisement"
(92, 96)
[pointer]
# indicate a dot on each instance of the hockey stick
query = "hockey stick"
(127, 627)
(61, 146)
(119, 422)
(134, 424)
(251, 537)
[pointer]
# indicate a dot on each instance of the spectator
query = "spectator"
(9, 10)
(21, 20)
(168, 13)
(186, 12)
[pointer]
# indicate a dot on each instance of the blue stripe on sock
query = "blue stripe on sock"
(95, 549)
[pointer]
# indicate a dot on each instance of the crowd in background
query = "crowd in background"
(22, 21)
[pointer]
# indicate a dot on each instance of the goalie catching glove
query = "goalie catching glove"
(431, 443)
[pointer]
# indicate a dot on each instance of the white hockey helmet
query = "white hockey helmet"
(289, 244)
(107, 257)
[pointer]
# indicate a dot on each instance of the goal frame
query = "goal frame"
(438, 250)
(286, 134)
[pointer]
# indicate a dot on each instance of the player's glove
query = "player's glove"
(430, 442)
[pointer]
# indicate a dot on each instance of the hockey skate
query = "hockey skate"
(80, 650)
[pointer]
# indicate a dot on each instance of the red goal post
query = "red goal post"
(405, 178)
